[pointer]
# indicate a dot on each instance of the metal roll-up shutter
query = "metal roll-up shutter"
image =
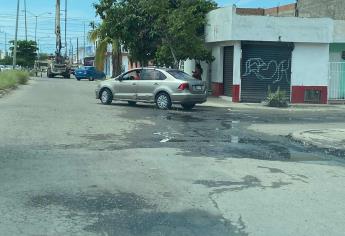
(265, 66)
(228, 66)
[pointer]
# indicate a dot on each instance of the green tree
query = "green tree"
(26, 52)
(131, 25)
(180, 25)
(6, 61)
(166, 31)
(43, 56)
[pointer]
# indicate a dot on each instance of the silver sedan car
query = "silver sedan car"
(161, 86)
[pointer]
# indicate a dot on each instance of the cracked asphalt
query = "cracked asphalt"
(71, 166)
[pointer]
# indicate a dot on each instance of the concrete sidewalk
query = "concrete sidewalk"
(326, 138)
(226, 102)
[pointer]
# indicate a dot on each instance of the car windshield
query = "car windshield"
(180, 75)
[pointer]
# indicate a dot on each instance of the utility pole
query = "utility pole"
(65, 28)
(36, 29)
(26, 22)
(58, 31)
(5, 44)
(84, 41)
(77, 50)
(16, 38)
(38, 47)
(71, 50)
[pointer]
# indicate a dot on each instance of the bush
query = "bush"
(22, 77)
(11, 79)
(277, 99)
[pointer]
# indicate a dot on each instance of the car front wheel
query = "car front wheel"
(163, 101)
(106, 97)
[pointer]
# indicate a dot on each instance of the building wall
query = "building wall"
(310, 59)
(285, 29)
(236, 89)
(310, 64)
(125, 62)
(224, 25)
(339, 31)
(219, 25)
(216, 74)
(309, 70)
(250, 11)
(322, 8)
(286, 10)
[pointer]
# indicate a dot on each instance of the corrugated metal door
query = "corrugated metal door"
(228, 66)
(265, 66)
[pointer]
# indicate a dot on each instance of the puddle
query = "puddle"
(182, 223)
(183, 118)
(221, 134)
(91, 203)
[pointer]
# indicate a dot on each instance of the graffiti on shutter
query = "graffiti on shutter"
(279, 70)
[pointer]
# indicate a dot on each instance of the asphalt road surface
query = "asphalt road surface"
(71, 166)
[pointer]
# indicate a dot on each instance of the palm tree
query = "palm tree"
(99, 36)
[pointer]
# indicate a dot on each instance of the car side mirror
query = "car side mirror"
(120, 78)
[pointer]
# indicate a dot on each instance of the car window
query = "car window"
(133, 75)
(177, 74)
(150, 74)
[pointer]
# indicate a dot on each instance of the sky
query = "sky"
(79, 12)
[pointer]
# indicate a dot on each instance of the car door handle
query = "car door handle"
(134, 84)
(156, 84)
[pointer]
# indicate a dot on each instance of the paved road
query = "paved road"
(70, 166)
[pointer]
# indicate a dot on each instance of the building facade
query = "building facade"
(334, 9)
(255, 54)
(285, 10)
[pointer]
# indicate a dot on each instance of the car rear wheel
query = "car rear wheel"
(106, 96)
(131, 103)
(163, 101)
(188, 106)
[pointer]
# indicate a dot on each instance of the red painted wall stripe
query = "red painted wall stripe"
(217, 89)
(236, 93)
(298, 93)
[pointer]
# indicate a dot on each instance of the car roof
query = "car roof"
(152, 68)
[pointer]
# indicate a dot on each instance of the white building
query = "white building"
(256, 53)
(108, 66)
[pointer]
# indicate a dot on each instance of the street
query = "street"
(71, 166)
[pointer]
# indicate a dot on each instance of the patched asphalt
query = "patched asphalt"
(71, 166)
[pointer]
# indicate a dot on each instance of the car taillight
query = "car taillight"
(183, 86)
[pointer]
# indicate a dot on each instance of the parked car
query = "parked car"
(5, 67)
(161, 86)
(89, 72)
